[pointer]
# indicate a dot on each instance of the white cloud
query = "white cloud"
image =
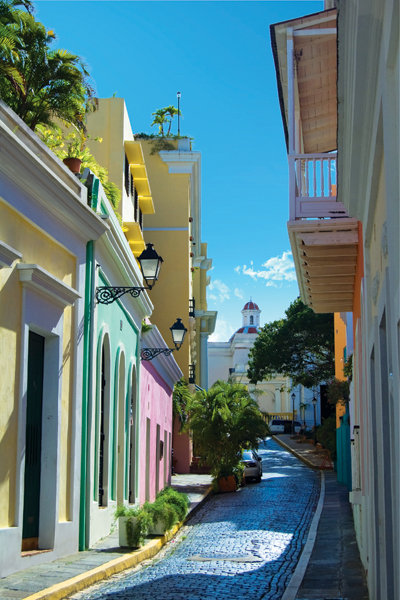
(237, 269)
(223, 331)
(238, 293)
(276, 269)
(219, 291)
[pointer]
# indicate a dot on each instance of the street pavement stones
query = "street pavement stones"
(238, 545)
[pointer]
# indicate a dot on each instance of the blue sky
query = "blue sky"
(218, 55)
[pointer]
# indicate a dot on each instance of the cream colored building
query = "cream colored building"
(45, 226)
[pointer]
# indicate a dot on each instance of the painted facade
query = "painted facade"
(369, 146)
(363, 261)
(168, 179)
(157, 380)
(45, 227)
(175, 230)
(125, 413)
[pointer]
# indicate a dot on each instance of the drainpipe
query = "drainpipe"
(88, 334)
(87, 386)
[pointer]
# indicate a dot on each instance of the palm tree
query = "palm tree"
(161, 118)
(181, 397)
(50, 84)
(11, 19)
(224, 420)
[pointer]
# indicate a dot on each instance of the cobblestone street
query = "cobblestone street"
(243, 544)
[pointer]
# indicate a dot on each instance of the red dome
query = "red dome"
(250, 306)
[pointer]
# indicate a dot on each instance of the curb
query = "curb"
(61, 590)
(298, 575)
(292, 451)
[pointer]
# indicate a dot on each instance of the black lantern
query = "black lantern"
(178, 331)
(150, 264)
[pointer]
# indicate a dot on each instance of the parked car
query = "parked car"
(252, 465)
(284, 426)
(277, 426)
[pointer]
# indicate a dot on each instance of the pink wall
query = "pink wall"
(155, 410)
(183, 452)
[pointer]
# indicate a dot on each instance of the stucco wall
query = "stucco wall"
(37, 248)
(156, 406)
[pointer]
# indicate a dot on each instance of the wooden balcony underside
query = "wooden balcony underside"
(325, 255)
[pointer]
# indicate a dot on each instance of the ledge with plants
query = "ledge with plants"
(153, 518)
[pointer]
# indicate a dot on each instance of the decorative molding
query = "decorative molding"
(8, 255)
(34, 277)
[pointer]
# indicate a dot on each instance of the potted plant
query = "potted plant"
(133, 526)
(178, 500)
(163, 516)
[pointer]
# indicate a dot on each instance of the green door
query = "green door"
(33, 446)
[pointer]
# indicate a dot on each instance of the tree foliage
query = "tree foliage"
(38, 83)
(181, 397)
(224, 420)
(300, 346)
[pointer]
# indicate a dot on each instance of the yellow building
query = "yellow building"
(165, 174)
(45, 225)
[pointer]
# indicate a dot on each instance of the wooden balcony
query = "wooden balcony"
(323, 236)
(324, 239)
(313, 187)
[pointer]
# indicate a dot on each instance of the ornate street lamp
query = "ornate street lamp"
(178, 331)
(293, 399)
(314, 402)
(150, 264)
(178, 95)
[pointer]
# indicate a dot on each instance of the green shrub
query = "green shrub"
(162, 510)
(326, 435)
(179, 501)
(137, 524)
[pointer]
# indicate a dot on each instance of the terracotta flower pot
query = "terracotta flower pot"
(227, 484)
(73, 164)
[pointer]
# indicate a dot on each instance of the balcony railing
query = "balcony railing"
(192, 373)
(192, 307)
(313, 187)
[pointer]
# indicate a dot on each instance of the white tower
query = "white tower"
(251, 315)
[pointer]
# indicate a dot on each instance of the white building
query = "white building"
(229, 360)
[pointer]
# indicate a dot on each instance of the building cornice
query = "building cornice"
(27, 162)
(166, 366)
(34, 277)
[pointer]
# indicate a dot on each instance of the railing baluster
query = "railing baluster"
(314, 164)
(322, 177)
(329, 177)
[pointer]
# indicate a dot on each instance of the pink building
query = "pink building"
(157, 379)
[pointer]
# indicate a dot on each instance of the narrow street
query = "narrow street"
(238, 545)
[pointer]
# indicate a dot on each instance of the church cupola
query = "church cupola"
(251, 315)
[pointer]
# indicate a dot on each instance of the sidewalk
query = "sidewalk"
(330, 566)
(312, 456)
(68, 575)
